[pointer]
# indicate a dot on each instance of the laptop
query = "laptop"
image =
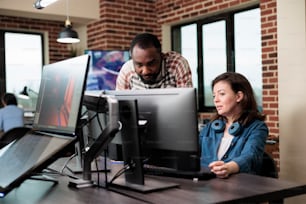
(55, 123)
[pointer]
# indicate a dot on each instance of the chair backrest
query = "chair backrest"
(269, 168)
(12, 134)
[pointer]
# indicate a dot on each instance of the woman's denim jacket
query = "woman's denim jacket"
(246, 149)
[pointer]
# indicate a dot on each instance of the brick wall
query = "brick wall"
(120, 21)
(269, 70)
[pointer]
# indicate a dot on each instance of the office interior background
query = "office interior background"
(110, 25)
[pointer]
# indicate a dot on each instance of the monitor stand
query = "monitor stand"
(98, 165)
(150, 185)
(132, 129)
(75, 166)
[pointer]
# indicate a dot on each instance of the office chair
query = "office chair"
(269, 168)
(12, 134)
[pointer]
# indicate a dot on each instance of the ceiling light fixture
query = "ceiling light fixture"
(68, 35)
(40, 4)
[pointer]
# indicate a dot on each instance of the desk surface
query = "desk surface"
(237, 188)
(243, 188)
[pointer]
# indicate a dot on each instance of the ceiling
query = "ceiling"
(80, 11)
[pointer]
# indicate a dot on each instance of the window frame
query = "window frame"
(228, 17)
(2, 54)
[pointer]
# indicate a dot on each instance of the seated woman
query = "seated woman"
(234, 140)
(11, 115)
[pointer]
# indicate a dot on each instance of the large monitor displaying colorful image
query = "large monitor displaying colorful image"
(104, 68)
(60, 95)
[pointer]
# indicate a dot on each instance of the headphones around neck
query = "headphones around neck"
(219, 125)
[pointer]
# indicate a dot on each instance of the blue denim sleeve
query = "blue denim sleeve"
(250, 158)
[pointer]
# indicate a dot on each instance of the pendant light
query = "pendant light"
(68, 35)
(40, 4)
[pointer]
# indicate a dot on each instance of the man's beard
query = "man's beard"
(151, 80)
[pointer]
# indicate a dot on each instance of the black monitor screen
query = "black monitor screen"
(104, 68)
(171, 134)
(60, 95)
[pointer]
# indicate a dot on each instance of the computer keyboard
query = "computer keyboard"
(203, 174)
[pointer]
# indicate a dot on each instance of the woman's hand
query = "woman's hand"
(222, 169)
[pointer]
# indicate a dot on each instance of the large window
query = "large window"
(21, 65)
(227, 42)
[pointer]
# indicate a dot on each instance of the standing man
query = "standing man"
(150, 68)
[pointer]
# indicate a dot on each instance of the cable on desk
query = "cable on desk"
(55, 172)
(66, 163)
(105, 168)
(97, 168)
(120, 172)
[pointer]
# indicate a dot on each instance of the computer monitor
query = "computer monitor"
(171, 136)
(104, 68)
(60, 95)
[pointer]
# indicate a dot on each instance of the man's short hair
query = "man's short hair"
(144, 41)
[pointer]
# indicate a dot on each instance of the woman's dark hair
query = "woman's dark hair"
(9, 99)
(238, 82)
(145, 40)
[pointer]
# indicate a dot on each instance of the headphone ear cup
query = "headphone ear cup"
(218, 125)
(234, 129)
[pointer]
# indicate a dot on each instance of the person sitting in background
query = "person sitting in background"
(11, 115)
(234, 140)
(150, 68)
